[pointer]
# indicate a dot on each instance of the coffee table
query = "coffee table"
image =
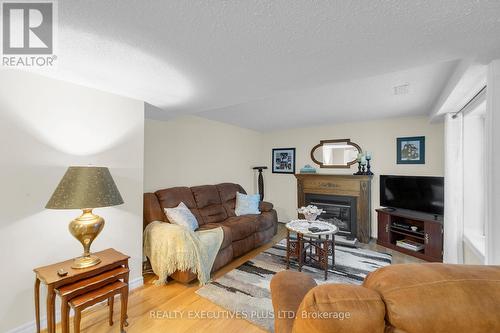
(310, 246)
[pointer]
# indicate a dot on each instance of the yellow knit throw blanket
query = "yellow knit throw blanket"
(171, 247)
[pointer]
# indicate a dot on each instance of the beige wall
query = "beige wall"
(379, 137)
(191, 151)
(46, 126)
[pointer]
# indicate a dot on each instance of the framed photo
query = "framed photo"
(284, 160)
(411, 150)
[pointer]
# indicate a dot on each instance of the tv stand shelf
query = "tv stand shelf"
(401, 231)
(394, 225)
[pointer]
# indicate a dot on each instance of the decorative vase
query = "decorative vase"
(311, 217)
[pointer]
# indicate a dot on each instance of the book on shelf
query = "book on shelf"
(410, 245)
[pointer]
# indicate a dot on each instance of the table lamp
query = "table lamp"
(85, 188)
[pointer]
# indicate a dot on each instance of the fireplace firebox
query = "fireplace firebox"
(338, 210)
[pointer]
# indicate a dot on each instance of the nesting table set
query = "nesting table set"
(82, 288)
(314, 242)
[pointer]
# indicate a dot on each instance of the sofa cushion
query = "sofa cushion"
(172, 197)
(182, 216)
(226, 230)
(342, 308)
(206, 195)
(286, 303)
(243, 246)
(241, 226)
(208, 203)
(247, 204)
(213, 214)
(444, 298)
(227, 193)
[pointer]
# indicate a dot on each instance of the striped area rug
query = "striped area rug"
(245, 290)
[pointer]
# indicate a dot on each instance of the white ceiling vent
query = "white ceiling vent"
(403, 89)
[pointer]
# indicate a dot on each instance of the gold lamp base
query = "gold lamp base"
(84, 262)
(85, 228)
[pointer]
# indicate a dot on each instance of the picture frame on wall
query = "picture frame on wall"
(283, 160)
(411, 150)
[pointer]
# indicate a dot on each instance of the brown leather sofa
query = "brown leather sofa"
(410, 298)
(213, 206)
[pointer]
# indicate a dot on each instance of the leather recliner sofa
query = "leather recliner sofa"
(213, 206)
(409, 298)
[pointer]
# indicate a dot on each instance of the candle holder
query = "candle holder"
(359, 170)
(363, 170)
(368, 166)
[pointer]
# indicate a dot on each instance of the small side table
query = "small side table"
(319, 247)
(47, 275)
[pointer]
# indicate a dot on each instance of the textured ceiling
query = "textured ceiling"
(191, 56)
(356, 100)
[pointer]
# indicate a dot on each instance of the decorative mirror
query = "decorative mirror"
(341, 153)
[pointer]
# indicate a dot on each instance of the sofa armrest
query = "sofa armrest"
(341, 308)
(265, 206)
(287, 291)
(152, 210)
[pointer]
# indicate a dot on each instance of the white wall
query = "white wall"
(378, 137)
(46, 126)
(191, 151)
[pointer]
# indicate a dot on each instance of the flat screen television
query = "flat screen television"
(418, 193)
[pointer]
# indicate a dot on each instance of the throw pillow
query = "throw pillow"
(247, 204)
(181, 215)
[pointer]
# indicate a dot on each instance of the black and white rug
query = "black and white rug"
(245, 290)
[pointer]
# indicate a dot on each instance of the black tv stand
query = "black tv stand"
(395, 225)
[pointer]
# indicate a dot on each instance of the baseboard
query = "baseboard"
(136, 283)
(30, 327)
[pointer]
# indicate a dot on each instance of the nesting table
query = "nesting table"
(110, 259)
(310, 246)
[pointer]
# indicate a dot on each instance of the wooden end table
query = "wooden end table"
(47, 275)
(319, 244)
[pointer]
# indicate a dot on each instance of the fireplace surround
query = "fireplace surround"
(346, 199)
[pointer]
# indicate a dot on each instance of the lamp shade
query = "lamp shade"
(85, 187)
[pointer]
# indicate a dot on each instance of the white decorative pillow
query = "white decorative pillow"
(247, 204)
(181, 215)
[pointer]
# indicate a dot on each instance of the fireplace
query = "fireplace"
(345, 198)
(338, 210)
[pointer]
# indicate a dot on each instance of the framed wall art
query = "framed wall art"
(411, 150)
(284, 160)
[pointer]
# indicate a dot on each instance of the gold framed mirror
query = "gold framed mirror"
(339, 153)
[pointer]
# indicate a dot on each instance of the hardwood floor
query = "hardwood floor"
(176, 307)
